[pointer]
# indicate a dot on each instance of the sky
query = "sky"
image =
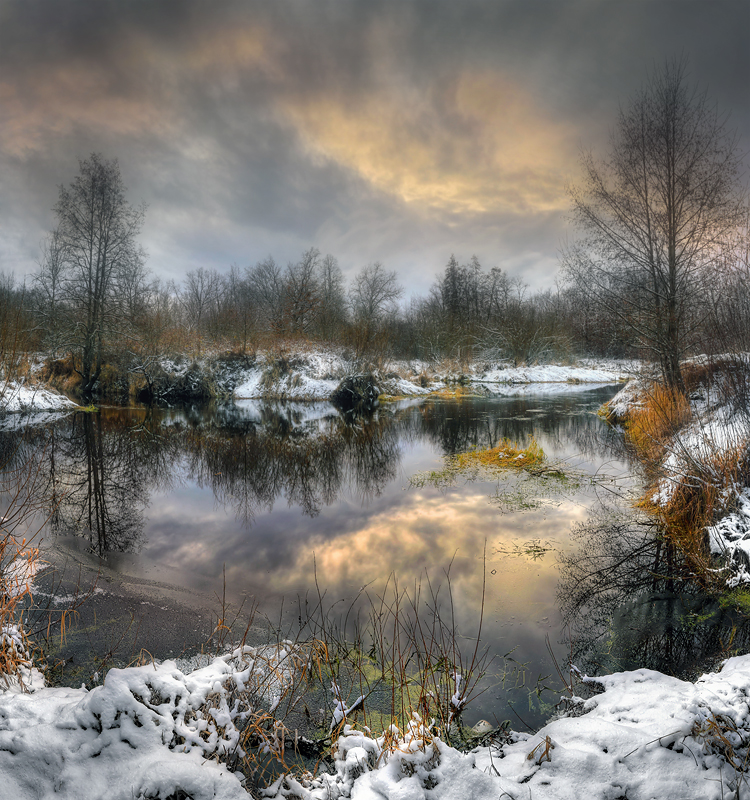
(395, 131)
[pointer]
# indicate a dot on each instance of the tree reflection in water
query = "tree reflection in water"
(626, 605)
(101, 469)
(251, 460)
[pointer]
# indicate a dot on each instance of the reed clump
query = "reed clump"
(504, 455)
(651, 426)
(689, 479)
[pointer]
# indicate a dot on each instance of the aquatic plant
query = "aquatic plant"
(504, 456)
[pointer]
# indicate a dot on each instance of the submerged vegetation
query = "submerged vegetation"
(491, 461)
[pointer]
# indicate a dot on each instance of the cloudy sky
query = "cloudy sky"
(396, 131)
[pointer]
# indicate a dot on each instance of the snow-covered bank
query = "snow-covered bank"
(585, 371)
(303, 373)
(152, 732)
(315, 375)
(23, 398)
(706, 445)
(145, 733)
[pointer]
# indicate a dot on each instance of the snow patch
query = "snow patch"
(18, 397)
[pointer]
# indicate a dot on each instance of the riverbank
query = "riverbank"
(152, 731)
(695, 452)
(295, 373)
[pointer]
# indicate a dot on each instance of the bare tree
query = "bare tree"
(96, 236)
(654, 213)
(200, 296)
(373, 298)
(332, 311)
(374, 294)
(301, 295)
(266, 289)
(49, 282)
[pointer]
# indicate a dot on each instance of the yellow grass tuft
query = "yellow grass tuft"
(504, 455)
(455, 392)
(651, 426)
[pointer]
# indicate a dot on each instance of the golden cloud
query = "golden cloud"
(479, 145)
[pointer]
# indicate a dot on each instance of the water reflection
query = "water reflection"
(627, 606)
(257, 491)
(100, 471)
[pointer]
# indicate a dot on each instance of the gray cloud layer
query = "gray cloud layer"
(398, 131)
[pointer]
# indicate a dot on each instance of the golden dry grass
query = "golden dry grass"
(696, 497)
(505, 455)
(17, 566)
(694, 503)
(652, 426)
(455, 392)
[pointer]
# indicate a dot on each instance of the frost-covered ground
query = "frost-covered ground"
(585, 371)
(153, 731)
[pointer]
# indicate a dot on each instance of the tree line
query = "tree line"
(659, 270)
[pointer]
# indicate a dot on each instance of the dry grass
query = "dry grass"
(455, 392)
(697, 492)
(719, 734)
(695, 502)
(18, 564)
(407, 673)
(505, 455)
(652, 426)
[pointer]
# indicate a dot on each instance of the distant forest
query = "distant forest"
(469, 312)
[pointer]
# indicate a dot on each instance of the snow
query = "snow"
(586, 371)
(646, 736)
(17, 397)
(299, 376)
(545, 389)
(310, 415)
(730, 538)
(152, 730)
(147, 732)
(717, 431)
(315, 375)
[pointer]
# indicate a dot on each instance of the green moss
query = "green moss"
(737, 599)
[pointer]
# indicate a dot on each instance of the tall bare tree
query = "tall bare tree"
(653, 215)
(266, 290)
(373, 297)
(49, 282)
(301, 292)
(200, 296)
(332, 311)
(96, 235)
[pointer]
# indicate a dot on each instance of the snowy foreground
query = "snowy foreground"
(150, 731)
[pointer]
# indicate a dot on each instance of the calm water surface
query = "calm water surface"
(266, 494)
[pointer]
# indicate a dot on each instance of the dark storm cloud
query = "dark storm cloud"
(374, 130)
